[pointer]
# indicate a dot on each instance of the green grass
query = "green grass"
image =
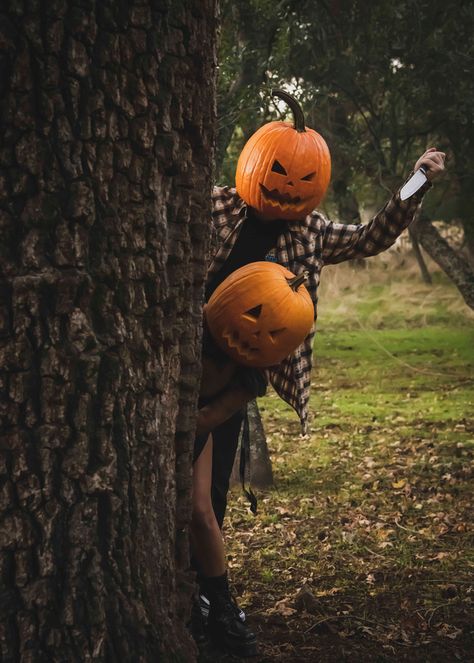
(373, 508)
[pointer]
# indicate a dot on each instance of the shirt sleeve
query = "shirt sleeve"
(345, 242)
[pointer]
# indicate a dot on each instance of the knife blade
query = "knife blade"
(415, 182)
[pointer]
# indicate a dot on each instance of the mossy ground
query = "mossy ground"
(364, 548)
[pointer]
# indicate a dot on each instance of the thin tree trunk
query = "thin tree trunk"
(347, 205)
(468, 227)
(425, 275)
(107, 119)
(450, 261)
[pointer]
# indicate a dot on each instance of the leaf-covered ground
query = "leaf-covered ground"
(364, 548)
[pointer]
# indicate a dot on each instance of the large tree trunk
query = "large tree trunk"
(450, 261)
(107, 111)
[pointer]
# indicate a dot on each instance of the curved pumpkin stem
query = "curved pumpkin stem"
(298, 116)
(296, 281)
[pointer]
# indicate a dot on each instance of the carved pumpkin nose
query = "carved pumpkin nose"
(289, 184)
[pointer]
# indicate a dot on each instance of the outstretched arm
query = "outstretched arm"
(345, 242)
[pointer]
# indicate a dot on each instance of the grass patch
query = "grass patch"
(364, 547)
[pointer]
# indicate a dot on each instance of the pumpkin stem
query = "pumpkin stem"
(298, 116)
(296, 281)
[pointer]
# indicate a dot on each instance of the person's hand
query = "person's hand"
(433, 161)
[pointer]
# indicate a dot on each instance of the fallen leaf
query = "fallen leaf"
(399, 484)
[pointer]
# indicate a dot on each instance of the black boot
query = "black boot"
(224, 625)
(204, 605)
(197, 624)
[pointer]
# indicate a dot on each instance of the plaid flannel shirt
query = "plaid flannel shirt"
(308, 245)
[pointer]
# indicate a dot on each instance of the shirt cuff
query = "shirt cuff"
(415, 197)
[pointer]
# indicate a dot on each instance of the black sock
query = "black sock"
(214, 585)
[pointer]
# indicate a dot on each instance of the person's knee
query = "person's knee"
(203, 516)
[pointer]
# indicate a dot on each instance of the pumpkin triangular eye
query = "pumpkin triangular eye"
(253, 313)
(308, 177)
(278, 168)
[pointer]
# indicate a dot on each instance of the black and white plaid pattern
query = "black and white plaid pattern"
(309, 245)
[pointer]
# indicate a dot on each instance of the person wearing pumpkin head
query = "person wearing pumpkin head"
(282, 175)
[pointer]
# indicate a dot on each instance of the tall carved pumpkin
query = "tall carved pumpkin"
(283, 171)
(260, 314)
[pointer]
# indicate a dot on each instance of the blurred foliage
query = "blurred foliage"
(380, 81)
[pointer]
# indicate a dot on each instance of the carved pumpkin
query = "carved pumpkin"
(260, 314)
(283, 171)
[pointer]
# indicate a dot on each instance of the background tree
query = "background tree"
(382, 82)
(107, 132)
(387, 62)
(253, 36)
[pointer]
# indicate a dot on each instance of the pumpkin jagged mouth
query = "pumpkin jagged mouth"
(275, 196)
(243, 348)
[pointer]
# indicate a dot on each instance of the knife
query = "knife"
(415, 182)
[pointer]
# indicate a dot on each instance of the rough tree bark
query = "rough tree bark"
(107, 123)
(450, 261)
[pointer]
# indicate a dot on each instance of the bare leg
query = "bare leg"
(206, 538)
(224, 625)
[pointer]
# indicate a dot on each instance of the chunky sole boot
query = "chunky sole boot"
(204, 604)
(227, 631)
(197, 624)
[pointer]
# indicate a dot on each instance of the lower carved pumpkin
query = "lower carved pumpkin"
(260, 314)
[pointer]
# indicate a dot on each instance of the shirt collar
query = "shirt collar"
(240, 208)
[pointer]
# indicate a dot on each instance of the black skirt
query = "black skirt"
(252, 379)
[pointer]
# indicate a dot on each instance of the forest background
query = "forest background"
(381, 83)
(362, 547)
